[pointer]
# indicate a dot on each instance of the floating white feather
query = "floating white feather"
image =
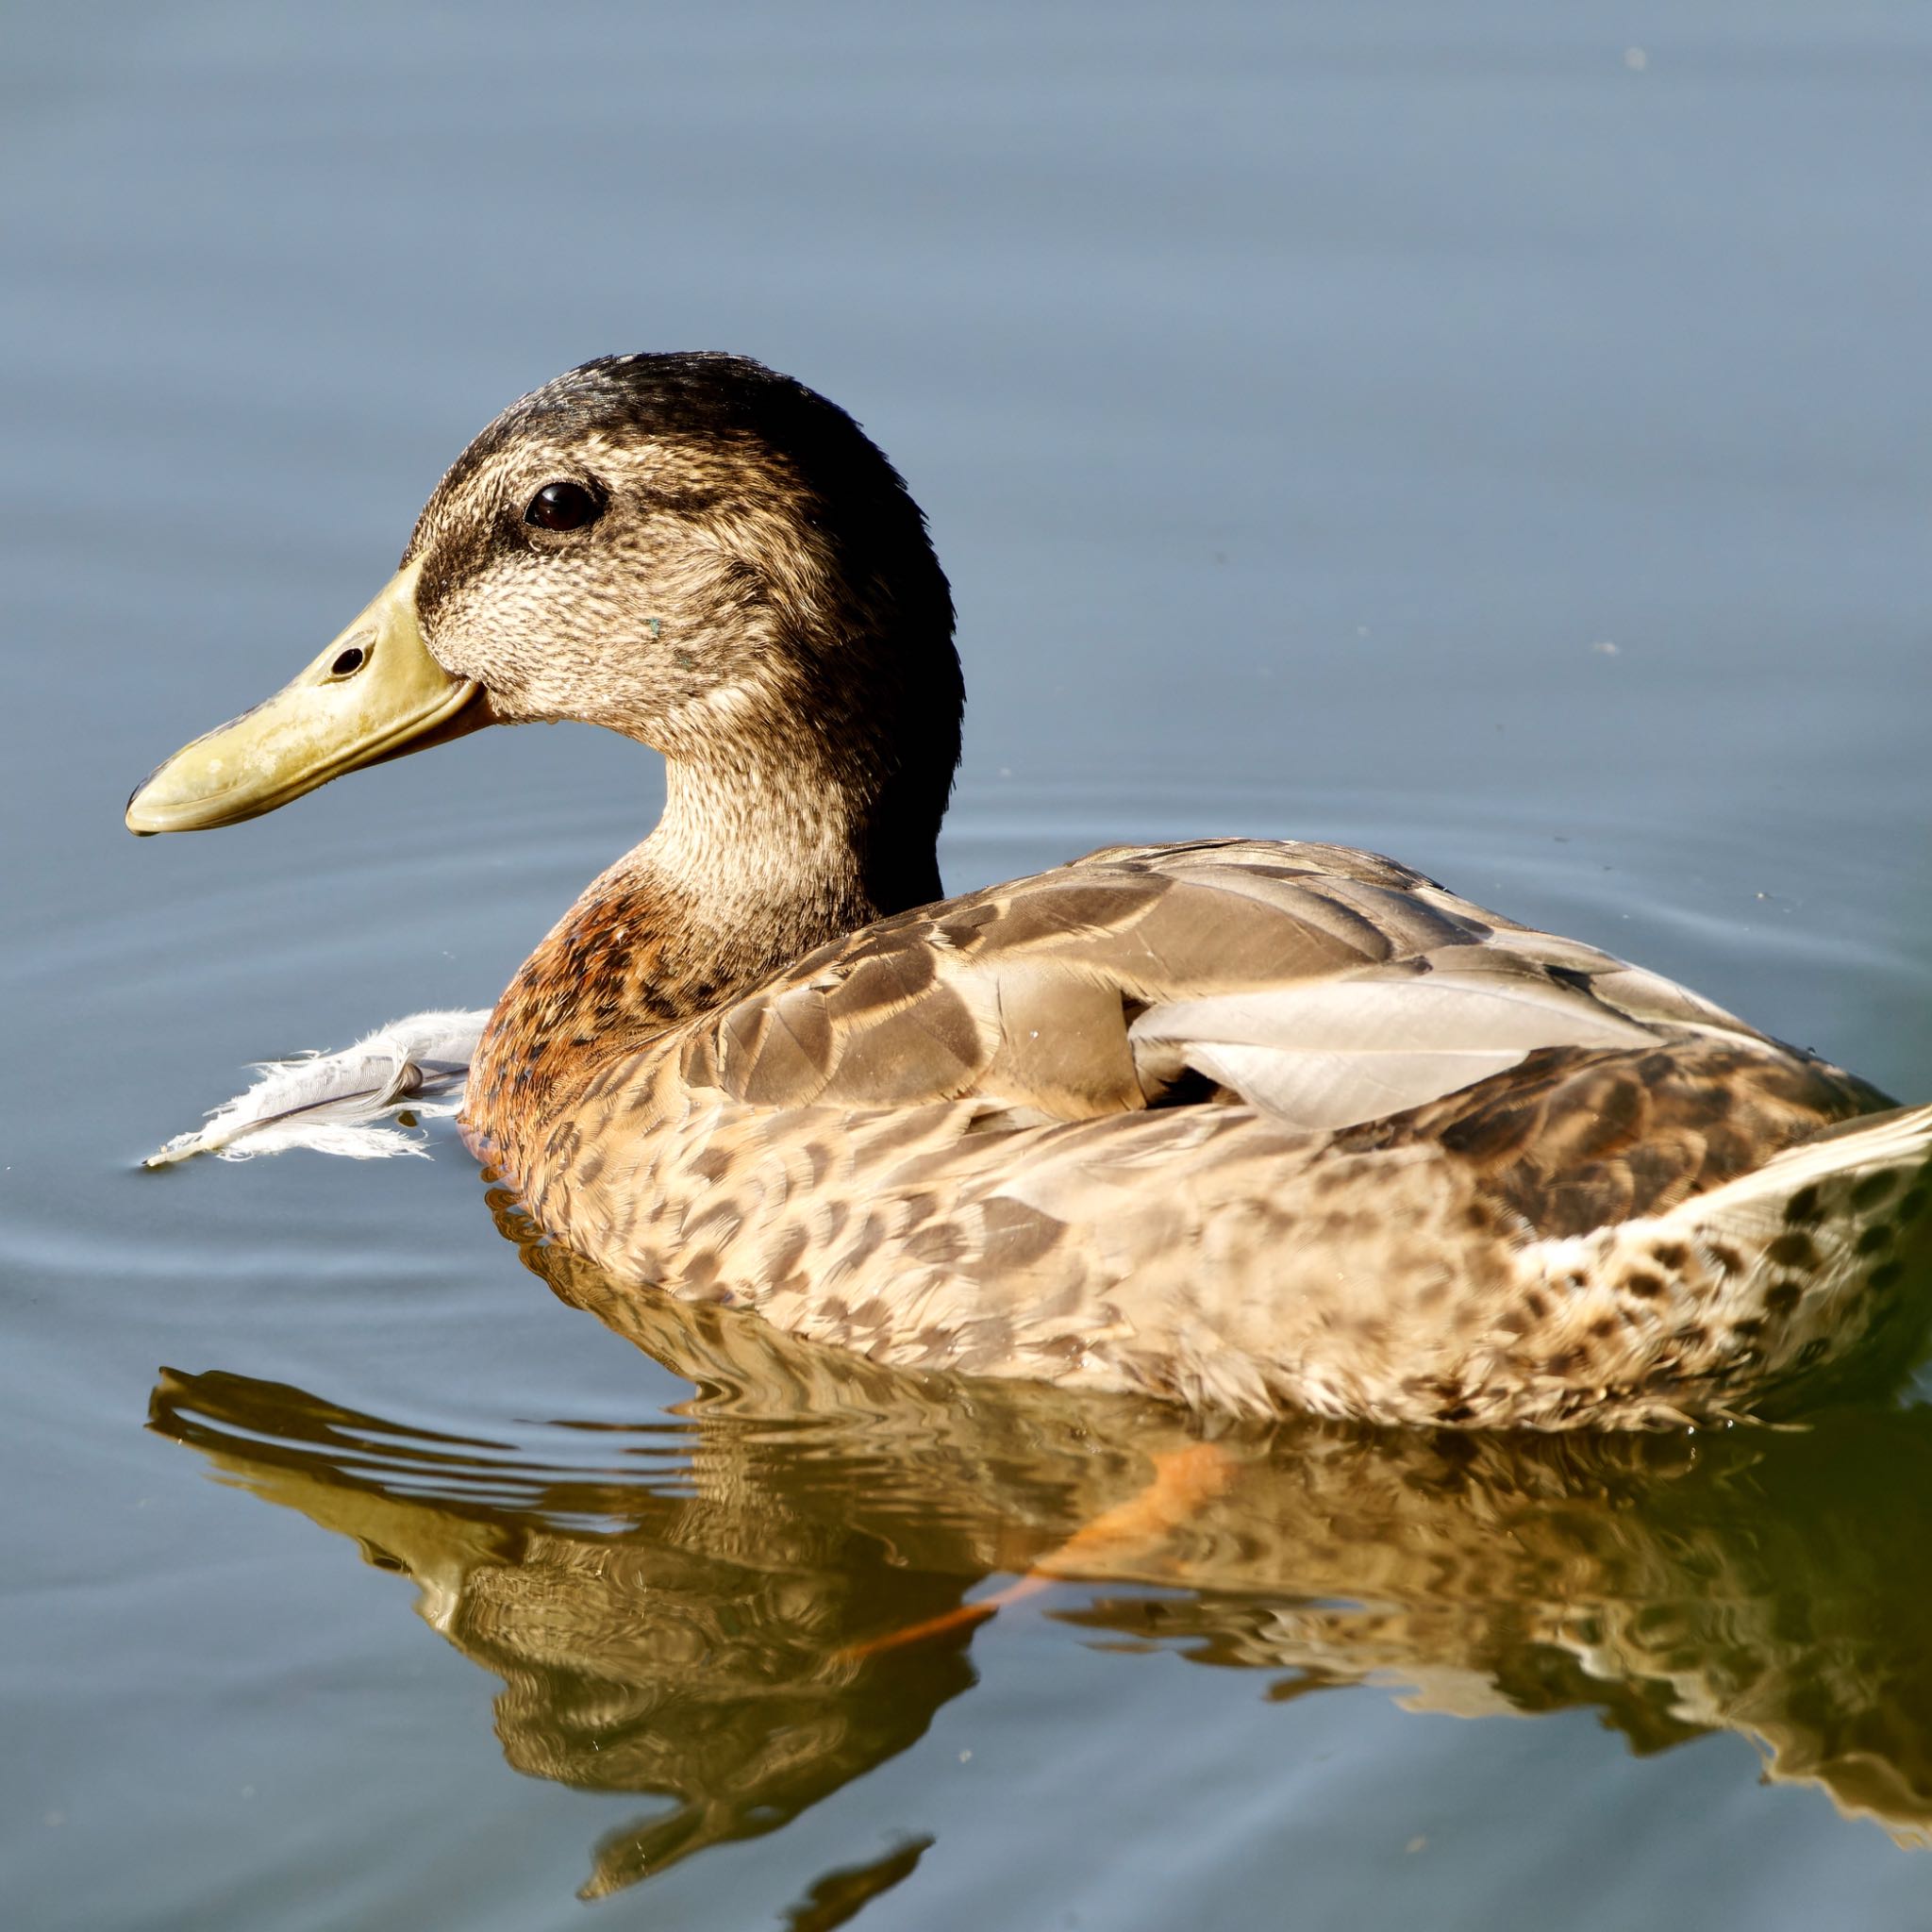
(337, 1102)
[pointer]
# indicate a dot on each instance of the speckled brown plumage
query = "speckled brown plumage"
(887, 1149)
(1244, 1124)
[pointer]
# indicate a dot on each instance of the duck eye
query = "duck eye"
(562, 506)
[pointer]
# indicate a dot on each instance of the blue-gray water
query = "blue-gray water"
(1501, 436)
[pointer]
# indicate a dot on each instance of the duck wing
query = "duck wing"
(1325, 986)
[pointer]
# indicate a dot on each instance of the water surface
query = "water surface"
(1499, 441)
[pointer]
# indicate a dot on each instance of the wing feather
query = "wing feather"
(1332, 1054)
(1328, 987)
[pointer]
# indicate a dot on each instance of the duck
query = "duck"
(1253, 1125)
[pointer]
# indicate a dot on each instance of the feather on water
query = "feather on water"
(341, 1103)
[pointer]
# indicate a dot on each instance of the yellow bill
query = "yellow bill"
(375, 691)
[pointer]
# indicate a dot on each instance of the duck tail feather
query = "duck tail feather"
(1831, 1163)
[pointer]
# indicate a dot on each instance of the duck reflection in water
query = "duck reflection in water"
(721, 1620)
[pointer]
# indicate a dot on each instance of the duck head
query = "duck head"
(689, 549)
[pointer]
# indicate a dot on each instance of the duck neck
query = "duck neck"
(755, 863)
(768, 860)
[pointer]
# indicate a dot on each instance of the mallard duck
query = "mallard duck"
(1251, 1124)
